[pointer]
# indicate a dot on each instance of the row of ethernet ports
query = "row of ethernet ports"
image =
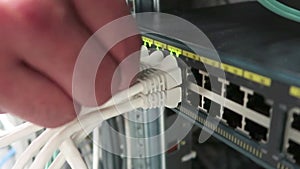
(249, 100)
(254, 101)
(243, 109)
(235, 120)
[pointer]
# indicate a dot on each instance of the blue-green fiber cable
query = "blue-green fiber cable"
(281, 9)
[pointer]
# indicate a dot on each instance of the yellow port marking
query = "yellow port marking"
(191, 55)
(159, 44)
(148, 41)
(266, 81)
(232, 69)
(295, 91)
(175, 50)
(257, 78)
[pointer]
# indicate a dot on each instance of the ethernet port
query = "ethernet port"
(207, 104)
(196, 76)
(258, 103)
(194, 99)
(294, 150)
(232, 118)
(234, 93)
(207, 84)
(214, 109)
(256, 131)
(212, 84)
(296, 122)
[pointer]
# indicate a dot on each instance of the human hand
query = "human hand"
(40, 42)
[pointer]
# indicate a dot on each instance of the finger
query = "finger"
(96, 14)
(52, 43)
(49, 38)
(34, 98)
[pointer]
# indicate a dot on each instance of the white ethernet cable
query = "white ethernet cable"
(92, 119)
(17, 133)
(96, 139)
(72, 155)
(165, 69)
(157, 87)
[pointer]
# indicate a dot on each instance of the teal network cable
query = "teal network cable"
(281, 9)
(55, 154)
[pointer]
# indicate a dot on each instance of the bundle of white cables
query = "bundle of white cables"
(159, 85)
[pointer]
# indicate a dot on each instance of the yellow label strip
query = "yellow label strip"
(159, 44)
(263, 80)
(210, 62)
(175, 50)
(147, 41)
(191, 55)
(257, 78)
(295, 91)
(232, 69)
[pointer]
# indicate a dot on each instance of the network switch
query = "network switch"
(258, 101)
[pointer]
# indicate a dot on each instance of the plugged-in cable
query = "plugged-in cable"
(72, 155)
(158, 85)
(18, 133)
(96, 136)
(58, 162)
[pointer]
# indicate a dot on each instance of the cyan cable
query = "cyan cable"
(55, 154)
(281, 9)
